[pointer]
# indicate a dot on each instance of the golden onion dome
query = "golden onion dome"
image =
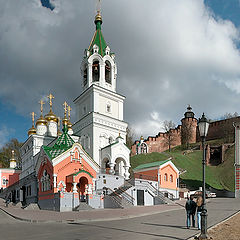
(98, 18)
(32, 131)
(51, 116)
(41, 121)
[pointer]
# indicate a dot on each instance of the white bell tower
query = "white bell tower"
(99, 109)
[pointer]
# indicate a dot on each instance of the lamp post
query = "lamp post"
(203, 130)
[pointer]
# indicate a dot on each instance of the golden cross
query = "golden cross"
(69, 112)
(33, 115)
(59, 119)
(65, 108)
(41, 104)
(50, 99)
(98, 6)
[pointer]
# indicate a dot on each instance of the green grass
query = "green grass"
(219, 177)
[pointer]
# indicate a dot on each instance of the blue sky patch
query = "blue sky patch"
(47, 4)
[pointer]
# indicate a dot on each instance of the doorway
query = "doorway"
(140, 197)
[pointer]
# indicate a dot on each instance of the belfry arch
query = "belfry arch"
(108, 75)
(95, 71)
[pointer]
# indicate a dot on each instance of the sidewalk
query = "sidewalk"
(87, 215)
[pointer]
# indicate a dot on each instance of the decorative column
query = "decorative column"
(111, 171)
(54, 180)
(237, 159)
(126, 174)
(75, 187)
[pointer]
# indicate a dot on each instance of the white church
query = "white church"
(87, 163)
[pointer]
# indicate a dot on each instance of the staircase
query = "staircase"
(120, 197)
(82, 206)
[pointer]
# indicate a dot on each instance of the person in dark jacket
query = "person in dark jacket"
(190, 207)
(199, 211)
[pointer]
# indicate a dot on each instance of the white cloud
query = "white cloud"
(169, 54)
(4, 134)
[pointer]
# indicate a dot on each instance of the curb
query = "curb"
(15, 217)
(86, 220)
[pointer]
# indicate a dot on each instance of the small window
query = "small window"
(85, 77)
(166, 177)
(171, 178)
(108, 108)
(110, 140)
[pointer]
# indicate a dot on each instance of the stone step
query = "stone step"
(83, 206)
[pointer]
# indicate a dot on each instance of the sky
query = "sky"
(169, 54)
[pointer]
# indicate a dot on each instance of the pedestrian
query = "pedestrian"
(188, 194)
(193, 210)
(190, 207)
(199, 210)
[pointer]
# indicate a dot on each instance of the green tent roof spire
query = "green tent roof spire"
(98, 38)
(63, 143)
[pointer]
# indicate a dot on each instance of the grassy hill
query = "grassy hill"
(219, 177)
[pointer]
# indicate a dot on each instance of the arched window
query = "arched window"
(108, 72)
(143, 148)
(171, 178)
(165, 177)
(110, 140)
(85, 76)
(45, 180)
(95, 71)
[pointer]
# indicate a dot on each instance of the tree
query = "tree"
(130, 137)
(169, 135)
(186, 134)
(6, 152)
(229, 115)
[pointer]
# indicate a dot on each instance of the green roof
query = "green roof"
(152, 164)
(63, 143)
(98, 39)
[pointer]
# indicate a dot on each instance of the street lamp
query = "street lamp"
(203, 130)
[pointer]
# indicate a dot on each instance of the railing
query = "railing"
(124, 194)
(121, 198)
(114, 196)
(146, 177)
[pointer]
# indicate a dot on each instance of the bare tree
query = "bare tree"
(169, 137)
(186, 134)
(130, 137)
(229, 115)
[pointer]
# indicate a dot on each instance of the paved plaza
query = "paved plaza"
(135, 223)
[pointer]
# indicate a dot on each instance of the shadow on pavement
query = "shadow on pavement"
(126, 230)
(164, 225)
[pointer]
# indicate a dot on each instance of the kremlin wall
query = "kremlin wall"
(221, 129)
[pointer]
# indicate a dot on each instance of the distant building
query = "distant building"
(164, 173)
(159, 143)
(10, 176)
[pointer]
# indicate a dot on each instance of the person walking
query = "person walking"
(199, 211)
(190, 207)
(193, 210)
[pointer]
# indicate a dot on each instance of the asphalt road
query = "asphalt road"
(167, 225)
